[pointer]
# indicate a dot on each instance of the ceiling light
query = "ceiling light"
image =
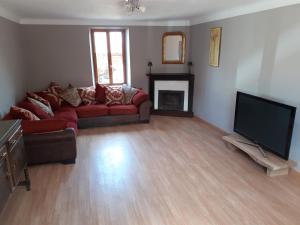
(134, 5)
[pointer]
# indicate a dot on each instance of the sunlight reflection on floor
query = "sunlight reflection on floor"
(114, 156)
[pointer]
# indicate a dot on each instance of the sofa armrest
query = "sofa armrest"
(44, 126)
(145, 110)
(67, 133)
(140, 97)
(59, 146)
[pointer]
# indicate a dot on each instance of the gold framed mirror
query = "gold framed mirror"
(173, 48)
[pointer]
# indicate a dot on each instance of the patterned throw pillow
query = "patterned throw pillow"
(34, 109)
(87, 95)
(38, 98)
(55, 88)
(20, 113)
(55, 101)
(114, 96)
(42, 106)
(71, 96)
(129, 93)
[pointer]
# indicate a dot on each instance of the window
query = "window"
(109, 56)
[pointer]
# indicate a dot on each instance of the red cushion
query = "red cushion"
(123, 109)
(34, 109)
(87, 111)
(55, 101)
(100, 93)
(66, 114)
(66, 108)
(45, 126)
(140, 97)
(20, 113)
(38, 98)
(55, 88)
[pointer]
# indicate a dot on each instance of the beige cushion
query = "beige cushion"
(129, 93)
(42, 106)
(71, 96)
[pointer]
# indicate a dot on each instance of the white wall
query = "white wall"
(260, 55)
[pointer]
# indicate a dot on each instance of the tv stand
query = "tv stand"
(275, 165)
(261, 150)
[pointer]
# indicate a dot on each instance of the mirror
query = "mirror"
(174, 45)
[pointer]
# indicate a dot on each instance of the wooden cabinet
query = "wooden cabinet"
(13, 164)
(4, 182)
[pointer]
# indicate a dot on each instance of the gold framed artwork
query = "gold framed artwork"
(214, 46)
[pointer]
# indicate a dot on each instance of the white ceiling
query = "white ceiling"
(43, 11)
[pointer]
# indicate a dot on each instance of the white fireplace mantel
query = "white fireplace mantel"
(182, 86)
(171, 85)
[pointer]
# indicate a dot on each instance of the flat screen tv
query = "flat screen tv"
(267, 123)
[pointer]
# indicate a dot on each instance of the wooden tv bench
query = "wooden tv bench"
(275, 165)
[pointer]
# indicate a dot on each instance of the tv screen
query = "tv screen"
(267, 123)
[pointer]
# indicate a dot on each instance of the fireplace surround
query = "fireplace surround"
(171, 94)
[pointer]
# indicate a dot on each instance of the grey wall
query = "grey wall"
(57, 53)
(146, 45)
(12, 86)
(259, 54)
(62, 54)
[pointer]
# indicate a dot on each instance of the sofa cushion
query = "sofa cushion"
(34, 109)
(46, 126)
(71, 96)
(114, 96)
(66, 113)
(55, 88)
(47, 109)
(87, 95)
(24, 114)
(100, 93)
(123, 110)
(87, 111)
(67, 107)
(38, 98)
(140, 97)
(55, 101)
(129, 93)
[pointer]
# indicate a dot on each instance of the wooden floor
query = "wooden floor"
(173, 171)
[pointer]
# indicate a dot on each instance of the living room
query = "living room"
(133, 112)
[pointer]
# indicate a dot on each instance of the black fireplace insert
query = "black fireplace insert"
(171, 100)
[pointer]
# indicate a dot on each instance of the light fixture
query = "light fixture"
(134, 5)
(150, 66)
(190, 65)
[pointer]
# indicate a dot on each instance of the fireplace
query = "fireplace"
(171, 100)
(172, 94)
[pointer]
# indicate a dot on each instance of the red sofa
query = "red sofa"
(54, 139)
